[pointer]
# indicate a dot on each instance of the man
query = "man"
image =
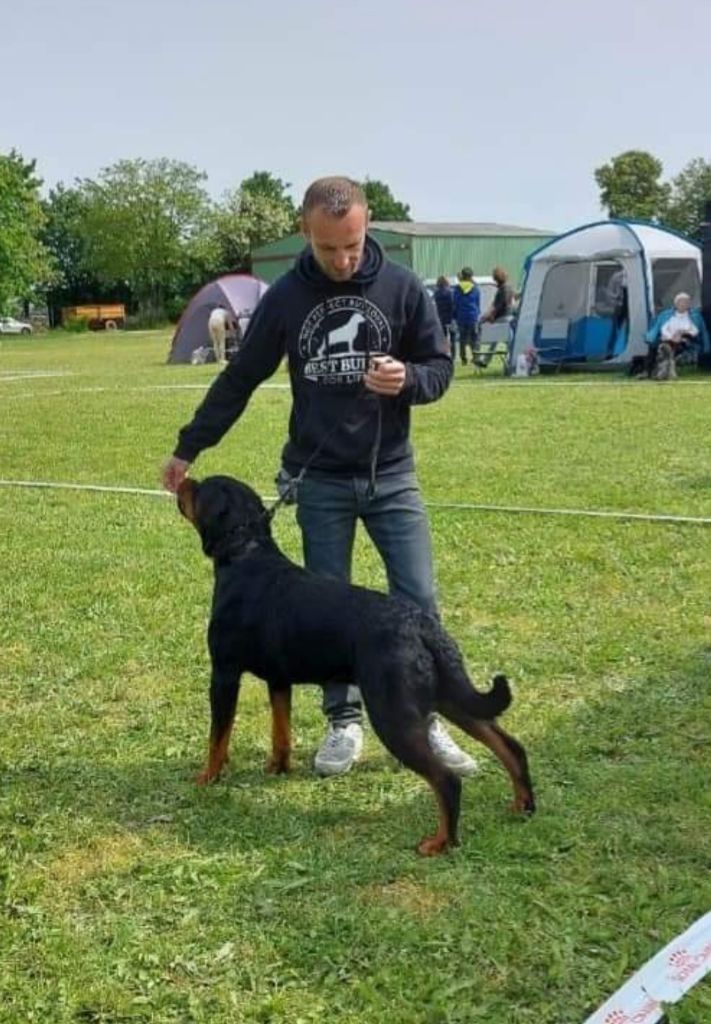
(617, 300)
(444, 304)
(363, 344)
(467, 302)
(217, 325)
(500, 310)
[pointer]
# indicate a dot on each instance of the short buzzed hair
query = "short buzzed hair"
(334, 195)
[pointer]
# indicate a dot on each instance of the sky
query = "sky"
(469, 111)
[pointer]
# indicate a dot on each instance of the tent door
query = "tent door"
(606, 327)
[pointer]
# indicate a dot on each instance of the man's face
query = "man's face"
(337, 242)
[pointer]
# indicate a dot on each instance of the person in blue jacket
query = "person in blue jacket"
(467, 310)
(364, 345)
(681, 327)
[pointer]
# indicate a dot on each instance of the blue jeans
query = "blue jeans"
(468, 334)
(328, 509)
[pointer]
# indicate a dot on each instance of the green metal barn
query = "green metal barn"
(428, 249)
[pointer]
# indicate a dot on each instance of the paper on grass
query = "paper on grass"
(664, 979)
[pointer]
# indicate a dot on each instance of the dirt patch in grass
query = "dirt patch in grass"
(105, 855)
(408, 895)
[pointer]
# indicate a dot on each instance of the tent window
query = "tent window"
(565, 292)
(671, 276)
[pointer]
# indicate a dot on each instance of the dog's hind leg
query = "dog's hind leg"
(224, 690)
(508, 750)
(280, 700)
(407, 740)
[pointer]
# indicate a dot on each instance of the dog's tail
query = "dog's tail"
(456, 688)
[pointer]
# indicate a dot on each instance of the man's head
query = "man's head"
(334, 220)
(499, 275)
(466, 274)
(682, 302)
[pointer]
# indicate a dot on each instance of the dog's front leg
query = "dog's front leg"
(280, 700)
(224, 690)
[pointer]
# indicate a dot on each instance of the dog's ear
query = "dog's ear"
(187, 499)
(214, 514)
(227, 514)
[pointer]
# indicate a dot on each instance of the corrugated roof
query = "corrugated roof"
(458, 229)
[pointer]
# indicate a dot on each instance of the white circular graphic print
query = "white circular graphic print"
(336, 337)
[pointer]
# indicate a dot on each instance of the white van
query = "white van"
(486, 285)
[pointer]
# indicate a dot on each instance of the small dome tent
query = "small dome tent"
(238, 293)
(590, 294)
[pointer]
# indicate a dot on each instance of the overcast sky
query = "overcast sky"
(470, 111)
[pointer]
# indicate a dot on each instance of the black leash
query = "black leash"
(288, 485)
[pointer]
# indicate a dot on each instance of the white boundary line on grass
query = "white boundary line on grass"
(100, 389)
(465, 506)
(654, 517)
(626, 383)
(51, 485)
(8, 376)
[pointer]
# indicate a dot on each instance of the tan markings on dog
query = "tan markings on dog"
(186, 499)
(441, 841)
(217, 757)
(278, 763)
(491, 738)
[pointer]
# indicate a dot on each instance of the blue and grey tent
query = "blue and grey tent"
(590, 294)
(238, 293)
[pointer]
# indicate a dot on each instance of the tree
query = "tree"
(147, 224)
(25, 263)
(690, 191)
(64, 236)
(382, 203)
(262, 183)
(258, 211)
(630, 186)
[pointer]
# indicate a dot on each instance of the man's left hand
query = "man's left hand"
(386, 376)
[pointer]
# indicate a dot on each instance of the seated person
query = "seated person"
(678, 329)
(527, 363)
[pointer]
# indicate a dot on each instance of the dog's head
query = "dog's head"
(228, 515)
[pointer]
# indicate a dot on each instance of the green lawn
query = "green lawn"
(127, 894)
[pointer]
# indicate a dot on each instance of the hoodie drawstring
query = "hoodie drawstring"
(375, 450)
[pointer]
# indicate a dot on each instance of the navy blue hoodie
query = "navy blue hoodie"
(329, 330)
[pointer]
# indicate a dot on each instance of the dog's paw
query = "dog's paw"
(523, 805)
(206, 777)
(278, 764)
(432, 846)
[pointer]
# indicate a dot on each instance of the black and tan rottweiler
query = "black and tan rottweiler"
(286, 625)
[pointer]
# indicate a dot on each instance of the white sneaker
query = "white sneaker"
(340, 750)
(448, 752)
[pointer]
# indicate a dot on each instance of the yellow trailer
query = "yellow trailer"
(101, 317)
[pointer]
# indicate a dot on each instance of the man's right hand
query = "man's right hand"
(174, 472)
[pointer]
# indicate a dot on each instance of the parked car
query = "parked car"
(9, 325)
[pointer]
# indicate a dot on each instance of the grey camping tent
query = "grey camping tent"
(238, 293)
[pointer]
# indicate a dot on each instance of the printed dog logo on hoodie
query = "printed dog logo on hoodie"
(338, 337)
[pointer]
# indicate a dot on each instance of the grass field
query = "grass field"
(127, 894)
